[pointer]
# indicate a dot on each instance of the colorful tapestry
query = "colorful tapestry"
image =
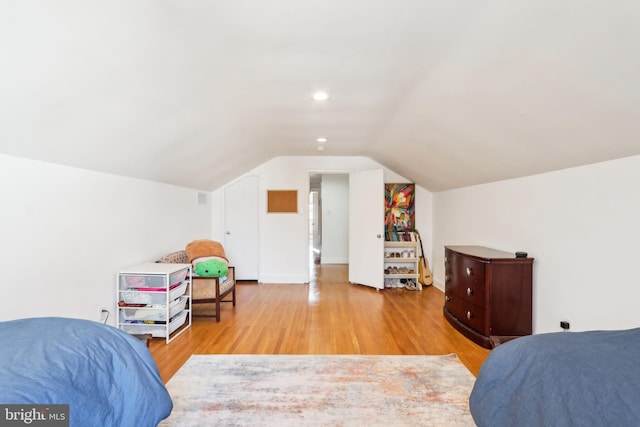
(399, 207)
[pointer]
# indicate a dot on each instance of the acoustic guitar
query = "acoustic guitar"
(424, 272)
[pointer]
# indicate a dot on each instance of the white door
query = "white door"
(366, 228)
(241, 227)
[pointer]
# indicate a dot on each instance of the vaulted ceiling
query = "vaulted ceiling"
(194, 92)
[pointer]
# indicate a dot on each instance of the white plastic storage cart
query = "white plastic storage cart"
(155, 299)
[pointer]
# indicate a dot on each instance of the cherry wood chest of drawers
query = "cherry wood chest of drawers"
(487, 293)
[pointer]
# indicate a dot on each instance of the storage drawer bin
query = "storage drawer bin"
(137, 281)
(178, 276)
(154, 313)
(156, 331)
(153, 297)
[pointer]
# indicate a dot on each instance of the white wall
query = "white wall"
(582, 226)
(424, 220)
(284, 237)
(66, 232)
(335, 219)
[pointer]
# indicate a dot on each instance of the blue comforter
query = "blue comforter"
(561, 379)
(107, 377)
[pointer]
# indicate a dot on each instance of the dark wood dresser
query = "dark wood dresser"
(487, 293)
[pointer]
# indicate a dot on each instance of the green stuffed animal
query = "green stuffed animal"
(211, 268)
(207, 258)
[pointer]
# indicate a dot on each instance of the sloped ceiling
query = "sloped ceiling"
(193, 93)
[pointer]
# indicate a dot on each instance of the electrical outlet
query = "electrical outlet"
(564, 324)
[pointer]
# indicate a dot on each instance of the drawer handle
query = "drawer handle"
(468, 315)
(446, 259)
(447, 298)
(469, 271)
(447, 278)
(469, 291)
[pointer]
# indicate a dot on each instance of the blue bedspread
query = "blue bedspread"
(107, 377)
(561, 379)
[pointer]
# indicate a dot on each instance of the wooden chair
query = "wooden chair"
(202, 287)
(207, 290)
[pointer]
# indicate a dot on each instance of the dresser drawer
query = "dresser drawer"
(464, 269)
(469, 314)
(465, 278)
(473, 293)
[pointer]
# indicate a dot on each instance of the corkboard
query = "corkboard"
(282, 201)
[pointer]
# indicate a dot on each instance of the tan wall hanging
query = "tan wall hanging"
(282, 201)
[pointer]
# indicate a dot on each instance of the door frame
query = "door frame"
(306, 207)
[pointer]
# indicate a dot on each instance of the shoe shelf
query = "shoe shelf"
(400, 263)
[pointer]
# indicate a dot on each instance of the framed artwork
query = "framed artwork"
(399, 207)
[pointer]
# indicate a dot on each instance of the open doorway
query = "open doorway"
(315, 219)
(328, 218)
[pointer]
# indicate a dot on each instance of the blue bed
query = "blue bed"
(107, 377)
(561, 379)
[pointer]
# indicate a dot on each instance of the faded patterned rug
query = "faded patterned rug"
(317, 390)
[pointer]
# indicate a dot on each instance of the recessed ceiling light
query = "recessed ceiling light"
(321, 139)
(320, 96)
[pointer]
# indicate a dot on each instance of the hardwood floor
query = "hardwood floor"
(326, 316)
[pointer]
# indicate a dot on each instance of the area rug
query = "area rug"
(319, 390)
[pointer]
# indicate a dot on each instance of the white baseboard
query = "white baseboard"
(438, 285)
(324, 260)
(282, 279)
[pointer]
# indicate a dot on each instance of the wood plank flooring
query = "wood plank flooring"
(326, 316)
